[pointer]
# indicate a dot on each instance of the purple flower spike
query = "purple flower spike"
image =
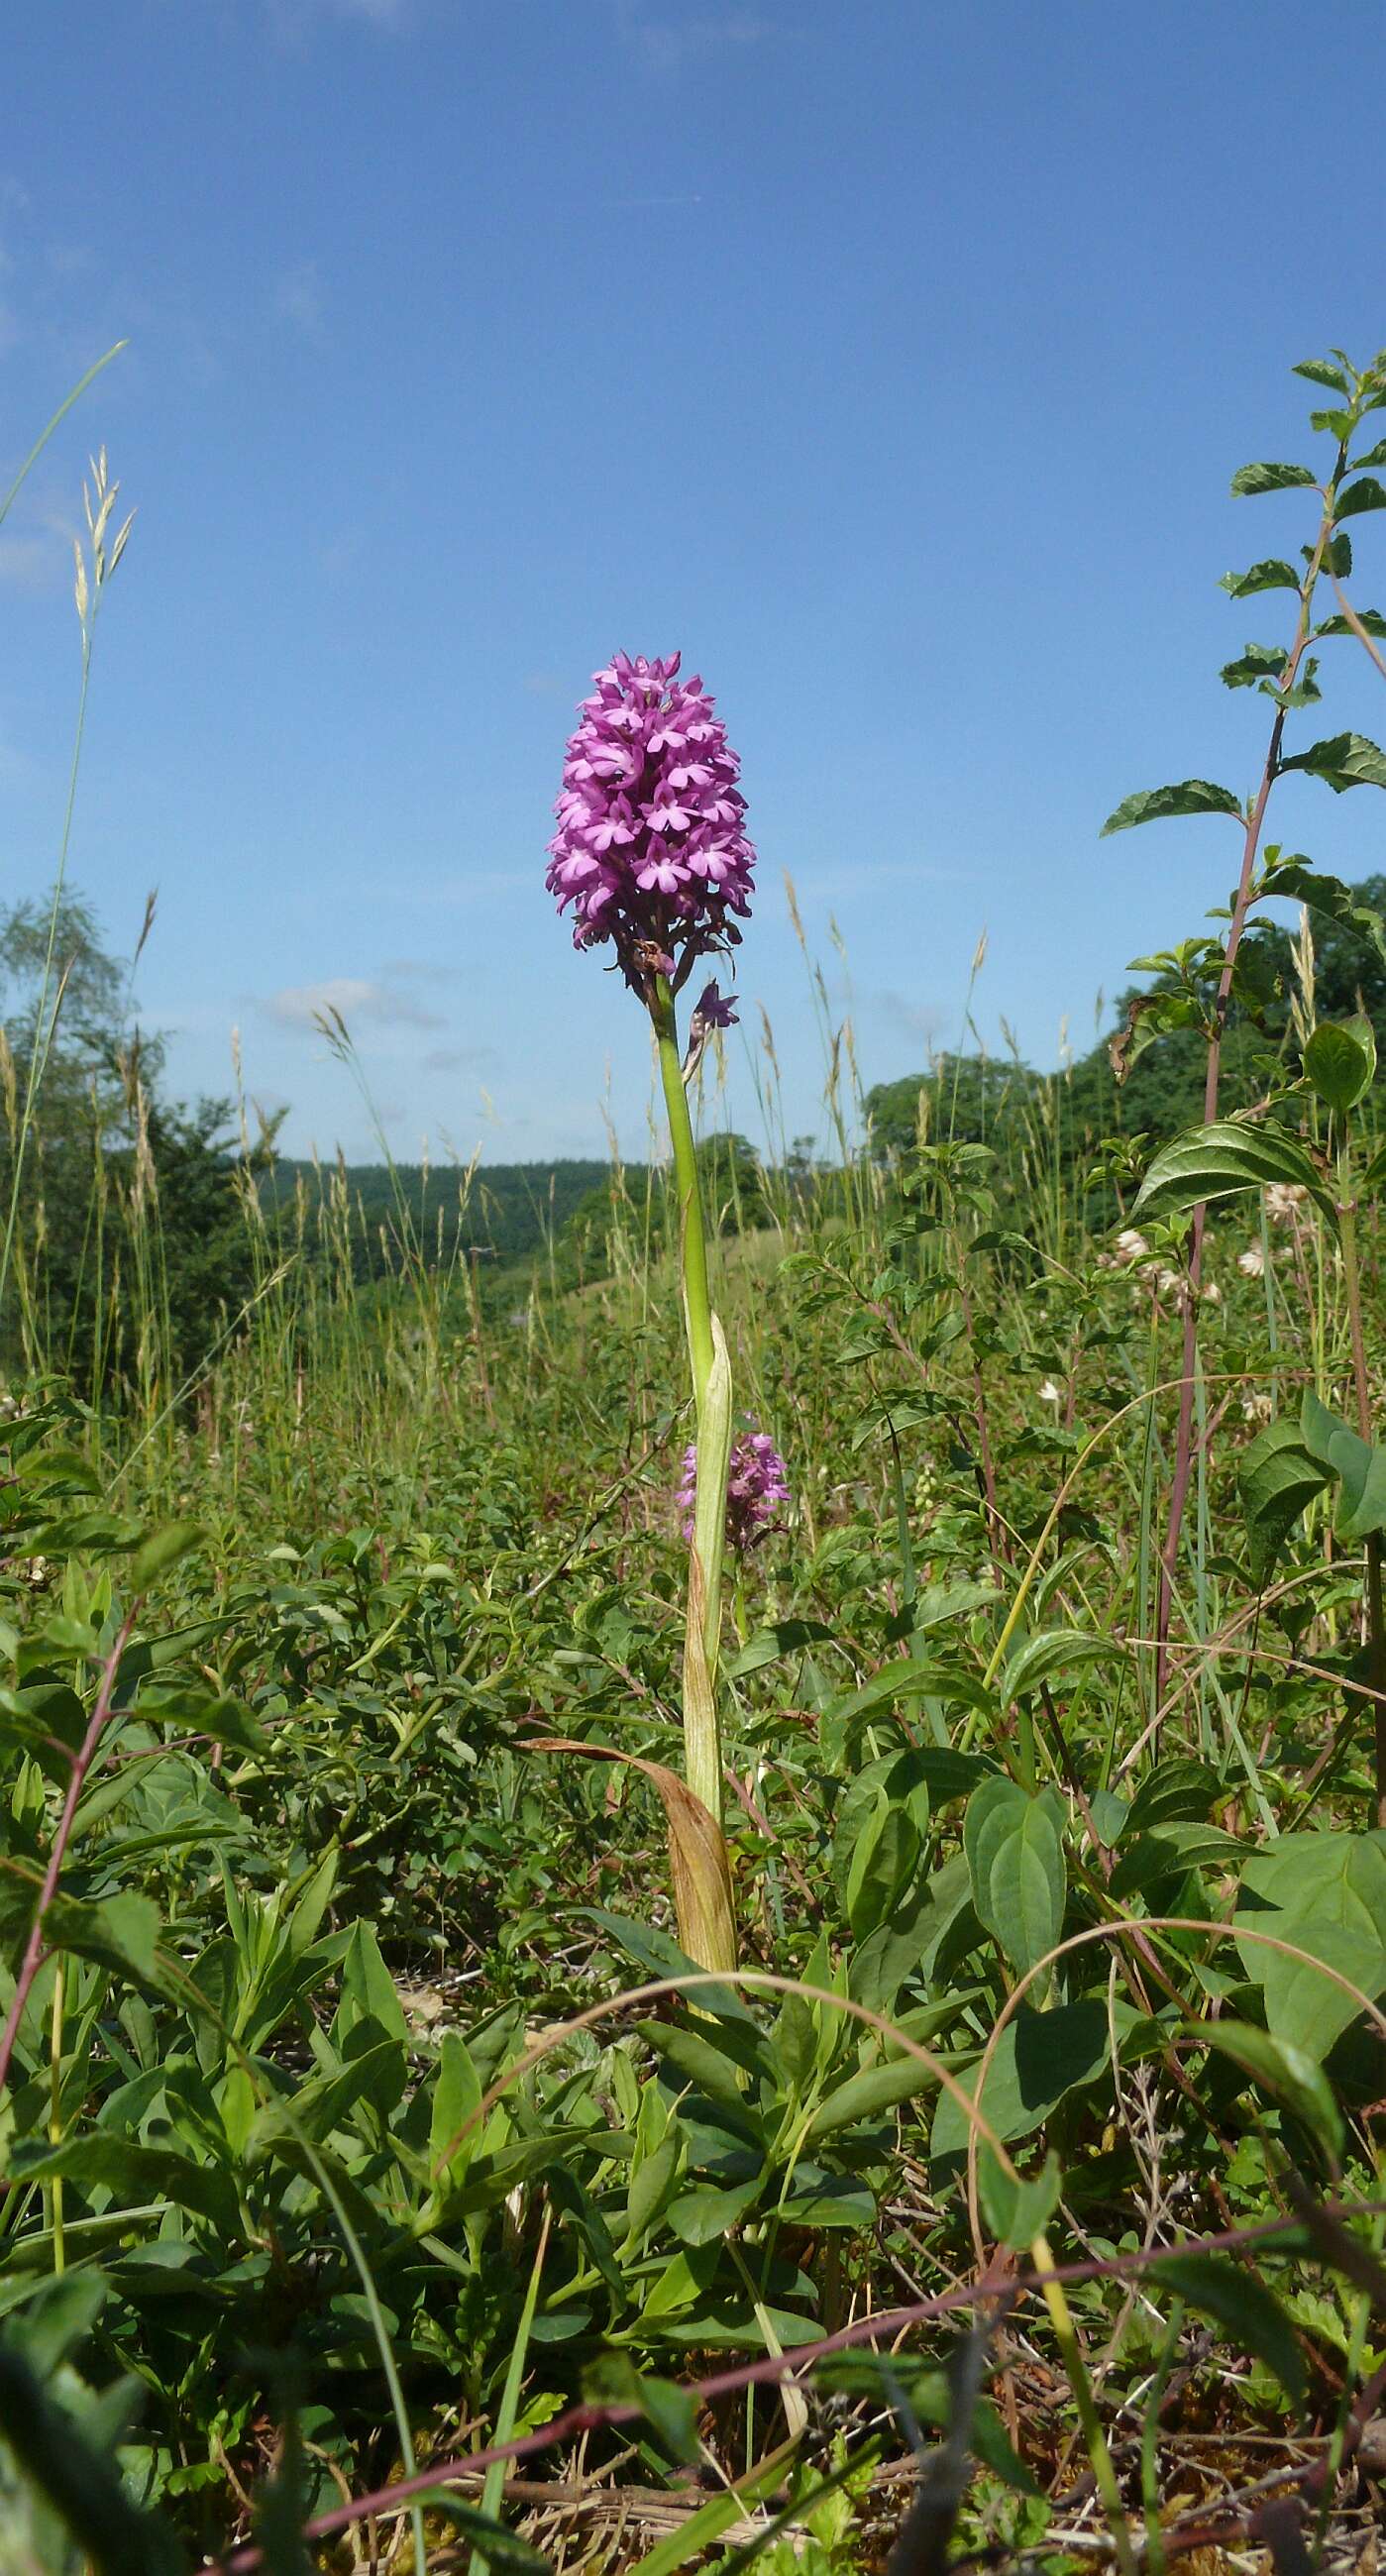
(650, 849)
(757, 1483)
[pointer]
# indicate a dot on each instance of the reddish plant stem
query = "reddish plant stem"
(35, 1953)
(1183, 1444)
(881, 2328)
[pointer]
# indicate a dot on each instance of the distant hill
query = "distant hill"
(509, 1208)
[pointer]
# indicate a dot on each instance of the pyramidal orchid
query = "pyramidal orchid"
(757, 1487)
(651, 858)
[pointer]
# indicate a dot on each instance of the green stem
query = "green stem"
(697, 1299)
(709, 1926)
(1376, 1615)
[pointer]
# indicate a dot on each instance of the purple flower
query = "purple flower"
(714, 1009)
(757, 1483)
(650, 849)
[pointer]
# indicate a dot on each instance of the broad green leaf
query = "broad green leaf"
(613, 2380)
(1325, 1894)
(884, 1860)
(787, 1637)
(1219, 1162)
(1221, 2289)
(680, 2283)
(1039, 2058)
(1277, 1479)
(1158, 804)
(1340, 1061)
(876, 1844)
(1168, 1851)
(1369, 618)
(56, 2318)
(1319, 372)
(706, 2215)
(937, 1916)
(1257, 662)
(820, 2198)
(1272, 574)
(1366, 494)
(1018, 2209)
(121, 1932)
(1016, 1858)
(1052, 1651)
(1250, 479)
(323, 2104)
(1284, 2069)
(1303, 883)
(650, 2186)
(456, 2096)
(134, 2172)
(368, 1991)
(82, 2484)
(698, 2059)
(1342, 760)
(163, 1549)
(914, 1677)
(1358, 1464)
(865, 2095)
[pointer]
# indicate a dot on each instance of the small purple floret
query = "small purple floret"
(714, 1009)
(650, 849)
(757, 1484)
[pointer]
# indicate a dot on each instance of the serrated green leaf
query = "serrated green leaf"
(1255, 662)
(1342, 760)
(1220, 1161)
(1250, 479)
(1365, 494)
(1303, 883)
(1340, 1062)
(1277, 1479)
(1158, 804)
(1319, 372)
(1273, 573)
(1370, 618)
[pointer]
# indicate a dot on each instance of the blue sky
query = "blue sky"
(890, 359)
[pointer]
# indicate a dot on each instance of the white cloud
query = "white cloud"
(290, 20)
(354, 998)
(922, 1022)
(467, 1059)
(298, 299)
(665, 41)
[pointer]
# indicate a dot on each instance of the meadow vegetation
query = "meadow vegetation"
(432, 2130)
